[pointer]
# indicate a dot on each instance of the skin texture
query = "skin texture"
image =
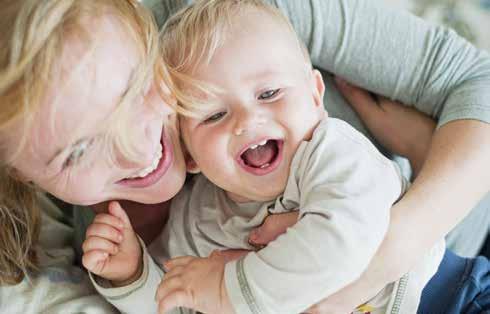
(454, 154)
(256, 101)
(245, 115)
(74, 114)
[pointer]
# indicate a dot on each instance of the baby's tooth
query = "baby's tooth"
(263, 142)
(254, 146)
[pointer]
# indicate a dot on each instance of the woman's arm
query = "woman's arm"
(395, 54)
(455, 175)
(399, 129)
(404, 58)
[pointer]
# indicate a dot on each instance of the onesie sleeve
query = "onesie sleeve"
(346, 189)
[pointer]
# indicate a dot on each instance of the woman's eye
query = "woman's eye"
(76, 154)
(73, 158)
(269, 94)
(215, 117)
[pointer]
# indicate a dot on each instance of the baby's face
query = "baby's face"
(270, 101)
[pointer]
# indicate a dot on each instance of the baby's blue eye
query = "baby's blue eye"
(215, 117)
(269, 94)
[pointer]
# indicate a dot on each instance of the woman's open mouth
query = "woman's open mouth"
(261, 157)
(153, 173)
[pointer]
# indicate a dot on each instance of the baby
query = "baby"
(254, 124)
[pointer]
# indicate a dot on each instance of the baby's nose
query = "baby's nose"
(249, 122)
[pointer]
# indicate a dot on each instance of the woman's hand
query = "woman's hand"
(400, 129)
(449, 185)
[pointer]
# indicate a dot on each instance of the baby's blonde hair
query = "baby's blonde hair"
(193, 35)
(32, 38)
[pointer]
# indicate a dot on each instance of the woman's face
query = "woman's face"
(65, 154)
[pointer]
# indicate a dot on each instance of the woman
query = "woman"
(84, 102)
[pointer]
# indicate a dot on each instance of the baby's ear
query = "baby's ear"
(190, 163)
(318, 87)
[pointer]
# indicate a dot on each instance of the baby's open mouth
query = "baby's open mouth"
(262, 157)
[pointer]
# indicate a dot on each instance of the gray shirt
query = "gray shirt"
(387, 51)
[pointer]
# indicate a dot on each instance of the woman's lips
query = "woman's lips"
(162, 168)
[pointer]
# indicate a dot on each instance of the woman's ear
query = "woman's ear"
(16, 175)
(318, 87)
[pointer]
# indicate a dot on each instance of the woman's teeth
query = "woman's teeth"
(146, 171)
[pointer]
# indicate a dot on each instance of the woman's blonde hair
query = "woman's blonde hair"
(32, 38)
(192, 36)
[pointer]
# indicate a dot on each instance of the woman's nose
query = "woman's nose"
(161, 101)
(142, 142)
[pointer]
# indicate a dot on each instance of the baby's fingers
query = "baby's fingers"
(229, 255)
(95, 261)
(168, 285)
(177, 298)
(116, 210)
(104, 231)
(101, 244)
(178, 261)
(110, 220)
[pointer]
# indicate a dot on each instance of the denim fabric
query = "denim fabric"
(461, 285)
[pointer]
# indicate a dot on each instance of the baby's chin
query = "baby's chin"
(257, 195)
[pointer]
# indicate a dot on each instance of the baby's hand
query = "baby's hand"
(273, 226)
(195, 283)
(111, 248)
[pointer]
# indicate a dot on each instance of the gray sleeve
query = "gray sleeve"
(347, 189)
(395, 54)
(389, 52)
